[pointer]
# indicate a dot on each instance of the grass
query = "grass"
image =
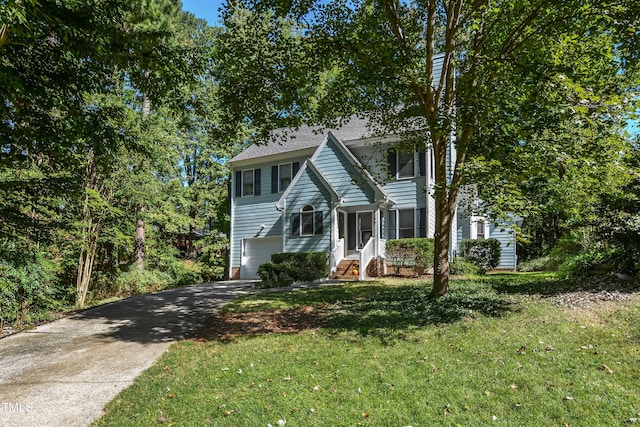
(495, 350)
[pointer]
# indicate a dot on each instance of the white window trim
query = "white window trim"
(473, 234)
(253, 174)
(398, 177)
(313, 220)
(280, 189)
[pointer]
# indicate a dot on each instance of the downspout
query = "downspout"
(283, 210)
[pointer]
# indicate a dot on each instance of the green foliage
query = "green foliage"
(592, 261)
(460, 266)
(483, 253)
(135, 282)
(312, 261)
(28, 286)
(535, 264)
(287, 268)
(415, 253)
(274, 275)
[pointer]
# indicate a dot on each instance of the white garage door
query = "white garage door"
(256, 252)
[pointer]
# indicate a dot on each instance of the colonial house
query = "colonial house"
(340, 191)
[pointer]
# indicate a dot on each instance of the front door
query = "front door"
(365, 228)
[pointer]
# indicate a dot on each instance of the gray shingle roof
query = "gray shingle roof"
(286, 140)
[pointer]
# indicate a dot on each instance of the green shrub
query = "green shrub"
(136, 282)
(414, 253)
(314, 261)
(535, 264)
(566, 248)
(589, 262)
(483, 253)
(274, 275)
(462, 267)
(286, 268)
(184, 273)
(28, 285)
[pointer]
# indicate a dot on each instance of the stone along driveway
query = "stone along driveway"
(64, 372)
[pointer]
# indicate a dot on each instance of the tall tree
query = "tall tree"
(72, 76)
(377, 57)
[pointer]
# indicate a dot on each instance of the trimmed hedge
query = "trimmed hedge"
(287, 268)
(414, 253)
(461, 267)
(315, 261)
(483, 253)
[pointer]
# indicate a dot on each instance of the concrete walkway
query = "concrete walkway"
(64, 372)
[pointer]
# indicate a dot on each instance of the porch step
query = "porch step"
(345, 269)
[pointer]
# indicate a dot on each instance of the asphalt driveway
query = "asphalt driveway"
(64, 372)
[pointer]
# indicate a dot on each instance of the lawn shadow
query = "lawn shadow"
(390, 313)
(368, 309)
(549, 285)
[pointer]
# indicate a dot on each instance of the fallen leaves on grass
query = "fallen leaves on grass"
(227, 327)
(608, 369)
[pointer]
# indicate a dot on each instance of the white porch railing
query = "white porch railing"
(337, 255)
(367, 253)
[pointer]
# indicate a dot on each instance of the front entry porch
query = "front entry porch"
(358, 242)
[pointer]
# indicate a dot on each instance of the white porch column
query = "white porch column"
(334, 239)
(376, 233)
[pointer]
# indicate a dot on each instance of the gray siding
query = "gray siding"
(251, 212)
(407, 192)
(309, 190)
(247, 220)
(345, 178)
(506, 236)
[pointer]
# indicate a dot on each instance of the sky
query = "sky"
(205, 9)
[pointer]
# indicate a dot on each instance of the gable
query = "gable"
(346, 174)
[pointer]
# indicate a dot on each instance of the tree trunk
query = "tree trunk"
(90, 234)
(87, 255)
(442, 244)
(138, 252)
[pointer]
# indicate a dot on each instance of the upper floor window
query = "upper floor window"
(248, 183)
(406, 165)
(282, 175)
(403, 165)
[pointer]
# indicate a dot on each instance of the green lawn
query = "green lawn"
(497, 350)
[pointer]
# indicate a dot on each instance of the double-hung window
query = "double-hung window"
(307, 222)
(282, 175)
(480, 229)
(406, 223)
(247, 183)
(406, 165)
